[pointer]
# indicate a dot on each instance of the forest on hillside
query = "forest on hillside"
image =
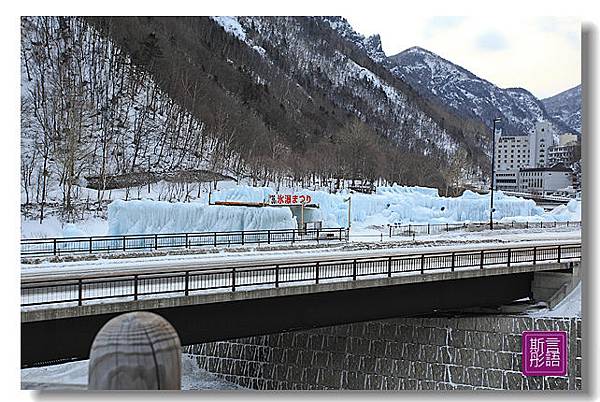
(141, 98)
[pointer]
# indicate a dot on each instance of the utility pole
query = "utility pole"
(493, 179)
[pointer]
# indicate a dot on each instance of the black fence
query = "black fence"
(436, 228)
(148, 242)
(187, 282)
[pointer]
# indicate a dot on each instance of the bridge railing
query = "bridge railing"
(125, 287)
(106, 244)
(436, 228)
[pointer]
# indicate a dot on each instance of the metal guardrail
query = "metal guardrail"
(435, 228)
(107, 244)
(187, 282)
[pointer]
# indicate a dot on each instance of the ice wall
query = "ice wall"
(146, 216)
(395, 204)
(399, 204)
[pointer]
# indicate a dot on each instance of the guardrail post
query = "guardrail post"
(80, 292)
(389, 267)
(277, 275)
(317, 235)
(428, 228)
(124, 243)
(526, 224)
(340, 234)
(54, 246)
(567, 223)
(422, 263)
(135, 287)
(293, 236)
(534, 254)
(559, 253)
(187, 241)
(481, 260)
(156, 242)
(268, 237)
(233, 279)
(447, 228)
(187, 283)
(452, 267)
(390, 231)
(242, 237)
(354, 270)
(508, 262)
(317, 273)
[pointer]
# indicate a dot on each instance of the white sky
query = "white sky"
(540, 54)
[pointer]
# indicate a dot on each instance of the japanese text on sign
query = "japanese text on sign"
(289, 199)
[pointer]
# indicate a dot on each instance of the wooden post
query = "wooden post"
(135, 351)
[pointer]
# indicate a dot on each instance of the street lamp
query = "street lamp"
(349, 201)
(493, 181)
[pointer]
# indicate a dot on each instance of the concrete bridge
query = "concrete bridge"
(60, 317)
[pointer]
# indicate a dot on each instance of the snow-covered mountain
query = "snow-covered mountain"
(470, 96)
(566, 107)
(118, 102)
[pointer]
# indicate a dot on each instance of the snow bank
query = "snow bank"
(53, 227)
(146, 216)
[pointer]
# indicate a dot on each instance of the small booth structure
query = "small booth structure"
(306, 213)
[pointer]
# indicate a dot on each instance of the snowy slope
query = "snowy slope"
(467, 94)
(566, 107)
(325, 56)
(74, 375)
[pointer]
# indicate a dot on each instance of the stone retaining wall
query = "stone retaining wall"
(476, 353)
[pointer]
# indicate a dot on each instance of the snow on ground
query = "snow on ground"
(75, 375)
(52, 227)
(390, 205)
(570, 306)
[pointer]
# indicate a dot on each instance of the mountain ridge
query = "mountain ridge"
(469, 95)
(566, 107)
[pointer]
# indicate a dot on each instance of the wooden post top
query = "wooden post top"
(135, 351)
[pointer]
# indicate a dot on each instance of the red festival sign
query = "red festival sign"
(289, 199)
